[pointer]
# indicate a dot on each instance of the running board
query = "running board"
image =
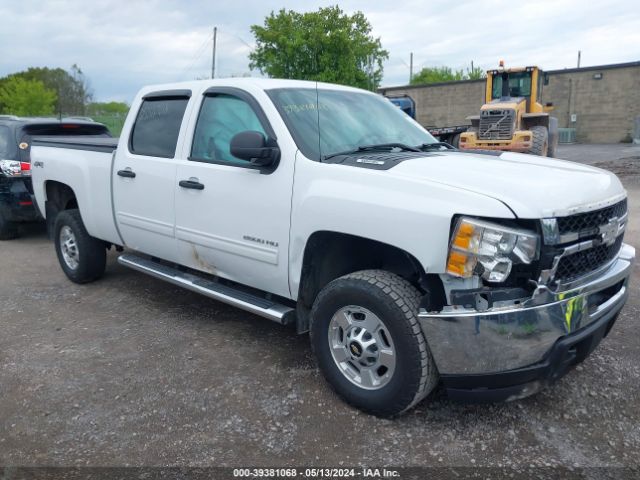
(223, 293)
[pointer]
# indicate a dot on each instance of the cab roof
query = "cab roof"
(254, 82)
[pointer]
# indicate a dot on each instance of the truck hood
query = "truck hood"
(531, 186)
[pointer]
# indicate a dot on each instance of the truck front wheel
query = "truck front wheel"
(82, 257)
(368, 343)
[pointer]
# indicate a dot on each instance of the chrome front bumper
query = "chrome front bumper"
(464, 341)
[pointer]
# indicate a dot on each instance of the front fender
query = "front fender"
(413, 215)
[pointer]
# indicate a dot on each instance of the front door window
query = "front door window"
(221, 117)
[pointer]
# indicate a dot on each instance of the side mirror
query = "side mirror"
(255, 148)
(546, 78)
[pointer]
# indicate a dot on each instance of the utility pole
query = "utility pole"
(213, 54)
(410, 67)
(579, 53)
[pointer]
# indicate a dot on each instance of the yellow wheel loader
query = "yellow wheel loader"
(513, 117)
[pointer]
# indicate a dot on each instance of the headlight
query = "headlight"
(489, 249)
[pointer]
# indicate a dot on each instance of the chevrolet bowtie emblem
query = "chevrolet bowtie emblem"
(609, 231)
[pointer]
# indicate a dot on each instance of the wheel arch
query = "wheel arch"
(59, 197)
(330, 254)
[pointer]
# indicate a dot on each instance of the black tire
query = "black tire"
(540, 141)
(396, 302)
(554, 136)
(90, 253)
(551, 151)
(8, 230)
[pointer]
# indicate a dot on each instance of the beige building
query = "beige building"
(600, 102)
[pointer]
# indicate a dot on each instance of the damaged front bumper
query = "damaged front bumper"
(510, 352)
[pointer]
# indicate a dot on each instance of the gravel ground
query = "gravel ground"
(133, 371)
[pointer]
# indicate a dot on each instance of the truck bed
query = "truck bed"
(95, 144)
(83, 165)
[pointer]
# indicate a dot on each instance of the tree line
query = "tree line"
(43, 91)
(446, 74)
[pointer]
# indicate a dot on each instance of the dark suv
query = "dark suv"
(16, 192)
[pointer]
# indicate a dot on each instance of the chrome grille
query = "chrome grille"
(579, 264)
(591, 220)
(496, 124)
(580, 244)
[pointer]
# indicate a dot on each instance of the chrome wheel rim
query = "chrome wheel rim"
(361, 347)
(69, 248)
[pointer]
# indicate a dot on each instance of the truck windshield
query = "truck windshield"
(324, 121)
(519, 84)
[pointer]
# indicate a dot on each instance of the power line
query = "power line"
(237, 37)
(204, 46)
(229, 34)
(201, 49)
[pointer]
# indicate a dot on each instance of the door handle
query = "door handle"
(195, 185)
(126, 173)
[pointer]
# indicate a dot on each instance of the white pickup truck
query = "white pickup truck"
(326, 208)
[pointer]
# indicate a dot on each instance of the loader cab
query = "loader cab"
(515, 84)
(505, 85)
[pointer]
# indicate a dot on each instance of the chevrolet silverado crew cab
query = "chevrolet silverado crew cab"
(16, 194)
(327, 208)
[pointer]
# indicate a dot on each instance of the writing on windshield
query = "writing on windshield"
(326, 121)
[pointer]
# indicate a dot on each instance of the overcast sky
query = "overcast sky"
(124, 44)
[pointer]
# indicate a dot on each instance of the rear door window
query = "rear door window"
(155, 132)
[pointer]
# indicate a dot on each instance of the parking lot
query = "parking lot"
(133, 371)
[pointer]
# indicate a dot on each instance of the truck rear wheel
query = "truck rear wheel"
(82, 257)
(368, 343)
(8, 230)
(540, 141)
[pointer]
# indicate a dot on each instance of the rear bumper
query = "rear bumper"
(521, 142)
(17, 203)
(523, 348)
